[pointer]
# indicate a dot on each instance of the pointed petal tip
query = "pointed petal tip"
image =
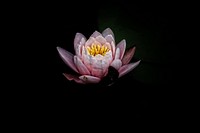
(58, 48)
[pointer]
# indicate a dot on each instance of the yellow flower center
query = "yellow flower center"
(95, 49)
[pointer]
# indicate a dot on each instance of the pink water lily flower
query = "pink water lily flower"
(94, 56)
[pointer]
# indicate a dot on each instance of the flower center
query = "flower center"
(95, 49)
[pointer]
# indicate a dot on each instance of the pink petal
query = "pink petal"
(109, 38)
(99, 68)
(89, 79)
(67, 57)
(100, 39)
(117, 53)
(73, 77)
(107, 31)
(79, 39)
(113, 48)
(80, 66)
(90, 41)
(122, 47)
(116, 64)
(95, 34)
(128, 56)
(97, 72)
(79, 51)
(127, 68)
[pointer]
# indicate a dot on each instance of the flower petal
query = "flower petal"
(90, 41)
(116, 64)
(79, 51)
(79, 39)
(107, 31)
(128, 56)
(73, 77)
(113, 48)
(100, 39)
(117, 53)
(127, 68)
(109, 38)
(95, 34)
(80, 66)
(89, 79)
(122, 47)
(67, 57)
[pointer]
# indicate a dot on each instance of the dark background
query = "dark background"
(153, 90)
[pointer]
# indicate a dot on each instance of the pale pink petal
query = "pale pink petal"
(122, 47)
(109, 39)
(107, 45)
(79, 39)
(79, 51)
(73, 77)
(89, 79)
(128, 56)
(100, 39)
(107, 31)
(116, 64)
(87, 59)
(113, 48)
(95, 34)
(67, 57)
(99, 68)
(127, 68)
(90, 41)
(117, 53)
(80, 66)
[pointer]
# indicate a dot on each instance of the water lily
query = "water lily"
(94, 56)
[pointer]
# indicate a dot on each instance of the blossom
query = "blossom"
(94, 56)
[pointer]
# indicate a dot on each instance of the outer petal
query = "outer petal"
(117, 53)
(128, 56)
(80, 66)
(67, 57)
(79, 39)
(113, 48)
(127, 68)
(89, 79)
(73, 77)
(116, 64)
(122, 47)
(108, 31)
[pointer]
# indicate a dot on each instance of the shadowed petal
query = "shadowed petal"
(128, 56)
(73, 77)
(67, 57)
(122, 47)
(79, 39)
(95, 34)
(127, 68)
(116, 64)
(80, 66)
(107, 31)
(89, 79)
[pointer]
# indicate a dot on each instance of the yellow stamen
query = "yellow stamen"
(95, 49)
